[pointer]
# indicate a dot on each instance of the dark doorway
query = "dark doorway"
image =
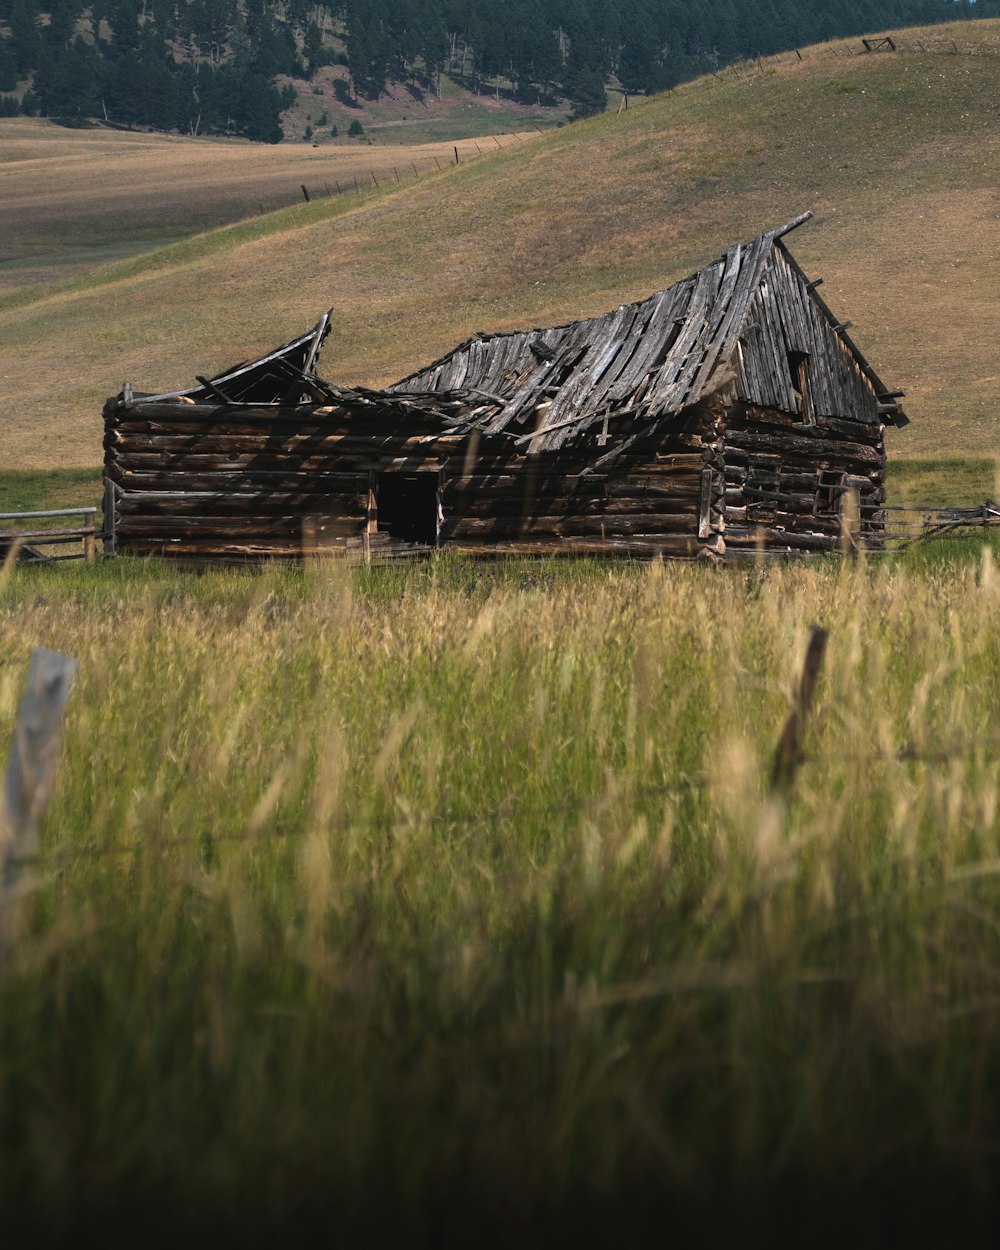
(407, 506)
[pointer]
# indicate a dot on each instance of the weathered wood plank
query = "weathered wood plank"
(238, 481)
(750, 270)
(751, 440)
(776, 539)
(228, 527)
(674, 546)
(671, 383)
(722, 319)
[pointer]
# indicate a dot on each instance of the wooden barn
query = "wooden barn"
(729, 410)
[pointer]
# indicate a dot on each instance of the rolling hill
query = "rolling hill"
(897, 154)
(72, 200)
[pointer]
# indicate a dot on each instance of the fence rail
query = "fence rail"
(30, 544)
(383, 170)
(905, 526)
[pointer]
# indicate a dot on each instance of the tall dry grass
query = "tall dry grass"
(455, 893)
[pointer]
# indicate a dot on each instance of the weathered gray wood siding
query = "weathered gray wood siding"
(783, 318)
(792, 459)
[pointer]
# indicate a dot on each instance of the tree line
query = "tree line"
(212, 65)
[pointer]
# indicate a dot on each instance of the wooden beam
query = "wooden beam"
(212, 389)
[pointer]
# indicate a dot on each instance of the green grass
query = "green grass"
(941, 483)
(437, 901)
(33, 490)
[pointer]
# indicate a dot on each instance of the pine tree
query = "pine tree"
(8, 66)
(25, 36)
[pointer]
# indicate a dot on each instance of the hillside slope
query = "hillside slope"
(897, 154)
(71, 200)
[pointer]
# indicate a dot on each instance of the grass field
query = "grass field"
(71, 200)
(452, 901)
(899, 156)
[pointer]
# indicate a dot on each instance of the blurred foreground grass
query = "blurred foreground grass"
(432, 902)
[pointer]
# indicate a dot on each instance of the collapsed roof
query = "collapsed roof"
(646, 360)
(546, 389)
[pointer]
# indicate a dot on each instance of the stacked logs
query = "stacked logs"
(247, 481)
(789, 484)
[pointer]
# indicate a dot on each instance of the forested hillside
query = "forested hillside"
(200, 66)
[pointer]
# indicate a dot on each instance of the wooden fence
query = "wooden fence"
(907, 526)
(31, 543)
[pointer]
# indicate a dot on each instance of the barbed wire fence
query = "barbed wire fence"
(384, 174)
(761, 66)
(34, 756)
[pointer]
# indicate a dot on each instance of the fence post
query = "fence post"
(788, 754)
(850, 523)
(110, 526)
(31, 772)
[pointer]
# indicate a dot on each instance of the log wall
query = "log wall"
(789, 484)
(252, 481)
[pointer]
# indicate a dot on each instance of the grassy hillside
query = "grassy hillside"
(405, 113)
(71, 200)
(898, 155)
